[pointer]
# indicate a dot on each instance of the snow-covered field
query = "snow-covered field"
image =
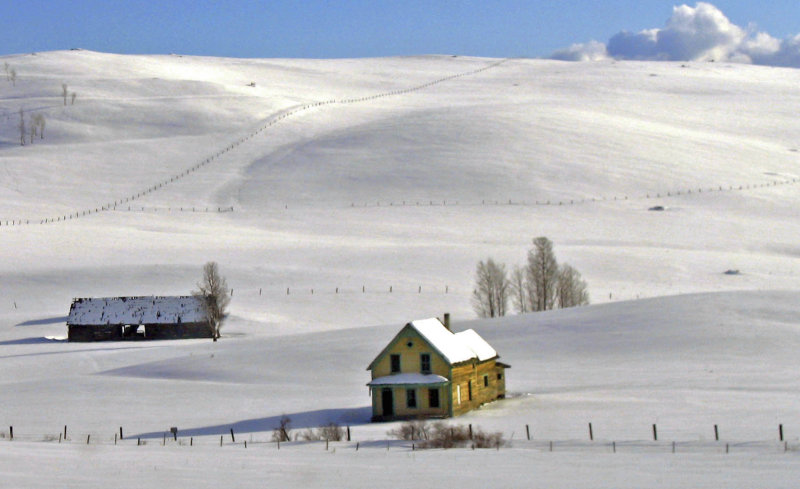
(351, 174)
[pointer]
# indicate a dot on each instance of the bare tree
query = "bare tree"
(73, 98)
(13, 76)
(519, 289)
(571, 288)
(213, 289)
(21, 127)
(33, 128)
(64, 92)
(281, 432)
(542, 275)
(6, 67)
(490, 297)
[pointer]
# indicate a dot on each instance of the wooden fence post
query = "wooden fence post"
(120, 433)
(528, 432)
(348, 433)
(591, 432)
(11, 432)
(716, 433)
(232, 437)
(780, 431)
(655, 433)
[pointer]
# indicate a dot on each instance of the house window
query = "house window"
(411, 398)
(499, 376)
(486, 381)
(433, 398)
(395, 364)
(425, 363)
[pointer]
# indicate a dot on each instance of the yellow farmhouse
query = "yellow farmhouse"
(428, 371)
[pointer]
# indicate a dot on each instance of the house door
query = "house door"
(387, 402)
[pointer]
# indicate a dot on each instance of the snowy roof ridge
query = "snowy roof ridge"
(136, 310)
(477, 344)
(456, 348)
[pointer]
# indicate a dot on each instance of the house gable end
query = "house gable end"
(407, 332)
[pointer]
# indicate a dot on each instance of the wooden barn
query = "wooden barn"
(135, 318)
(426, 371)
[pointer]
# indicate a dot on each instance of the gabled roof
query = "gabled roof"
(455, 348)
(136, 310)
(474, 342)
(443, 340)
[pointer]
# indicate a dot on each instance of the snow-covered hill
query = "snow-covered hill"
(342, 198)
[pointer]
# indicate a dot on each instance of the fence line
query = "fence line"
(120, 207)
(265, 441)
(267, 123)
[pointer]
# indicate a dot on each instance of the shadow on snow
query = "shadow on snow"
(39, 322)
(302, 420)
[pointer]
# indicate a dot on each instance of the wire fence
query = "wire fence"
(265, 441)
(120, 204)
(264, 125)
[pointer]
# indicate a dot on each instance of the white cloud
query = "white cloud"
(699, 33)
(764, 49)
(590, 51)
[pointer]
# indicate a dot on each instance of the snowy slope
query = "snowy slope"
(337, 223)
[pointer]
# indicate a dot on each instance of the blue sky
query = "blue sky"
(349, 28)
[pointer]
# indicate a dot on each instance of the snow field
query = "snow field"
(317, 203)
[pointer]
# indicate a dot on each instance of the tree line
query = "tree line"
(539, 285)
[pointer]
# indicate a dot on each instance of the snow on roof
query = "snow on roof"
(409, 379)
(456, 348)
(474, 342)
(443, 340)
(136, 310)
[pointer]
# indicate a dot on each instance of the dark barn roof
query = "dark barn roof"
(136, 310)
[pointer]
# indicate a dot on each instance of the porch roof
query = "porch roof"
(409, 379)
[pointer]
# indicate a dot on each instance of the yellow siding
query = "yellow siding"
(453, 399)
(401, 410)
(410, 356)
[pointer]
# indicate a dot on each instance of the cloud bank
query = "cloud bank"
(699, 33)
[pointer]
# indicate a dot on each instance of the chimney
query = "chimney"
(447, 321)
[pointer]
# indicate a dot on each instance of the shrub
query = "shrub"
(482, 439)
(444, 435)
(308, 435)
(331, 431)
(411, 430)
